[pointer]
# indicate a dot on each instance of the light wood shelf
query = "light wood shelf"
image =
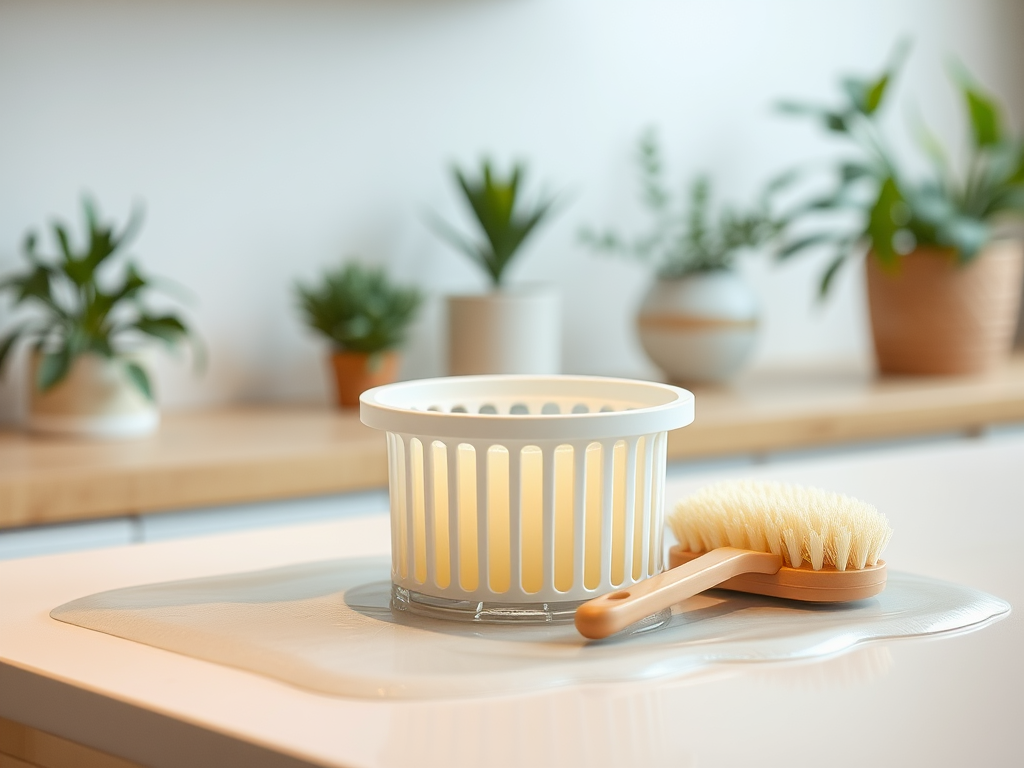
(242, 454)
(198, 458)
(786, 410)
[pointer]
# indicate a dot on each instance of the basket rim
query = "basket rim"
(677, 411)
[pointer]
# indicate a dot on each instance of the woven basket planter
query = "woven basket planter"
(933, 316)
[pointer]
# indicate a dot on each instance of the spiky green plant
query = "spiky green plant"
(358, 309)
(686, 238)
(85, 304)
(895, 212)
(497, 206)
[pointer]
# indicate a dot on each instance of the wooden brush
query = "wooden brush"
(767, 538)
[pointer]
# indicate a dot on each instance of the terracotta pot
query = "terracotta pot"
(354, 374)
(933, 316)
(700, 328)
(95, 399)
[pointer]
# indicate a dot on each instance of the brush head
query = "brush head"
(802, 524)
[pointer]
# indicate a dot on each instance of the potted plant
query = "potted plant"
(508, 329)
(365, 317)
(87, 372)
(943, 288)
(698, 322)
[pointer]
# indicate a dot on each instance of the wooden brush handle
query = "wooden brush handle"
(613, 612)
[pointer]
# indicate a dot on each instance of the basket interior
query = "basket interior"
(527, 397)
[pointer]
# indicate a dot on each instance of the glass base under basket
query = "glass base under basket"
(483, 612)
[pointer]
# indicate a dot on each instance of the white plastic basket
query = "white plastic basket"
(518, 497)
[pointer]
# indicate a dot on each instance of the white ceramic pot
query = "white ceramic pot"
(514, 330)
(699, 328)
(95, 399)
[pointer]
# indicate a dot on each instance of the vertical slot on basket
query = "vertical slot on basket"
(469, 560)
(563, 523)
(498, 568)
(405, 508)
(396, 498)
(618, 548)
(442, 515)
(419, 526)
(607, 510)
(592, 517)
(654, 564)
(628, 492)
(531, 518)
(639, 507)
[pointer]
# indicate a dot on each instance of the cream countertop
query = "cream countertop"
(957, 511)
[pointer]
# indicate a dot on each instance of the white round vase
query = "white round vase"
(513, 330)
(95, 399)
(700, 328)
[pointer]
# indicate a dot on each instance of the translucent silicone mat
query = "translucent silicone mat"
(326, 626)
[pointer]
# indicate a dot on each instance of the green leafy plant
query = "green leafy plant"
(359, 309)
(86, 305)
(497, 206)
(893, 212)
(688, 237)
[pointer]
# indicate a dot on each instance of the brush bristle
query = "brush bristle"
(821, 528)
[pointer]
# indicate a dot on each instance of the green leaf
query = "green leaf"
(865, 96)
(606, 242)
(782, 181)
(133, 282)
(138, 377)
(984, 113)
(884, 222)
(165, 327)
(449, 233)
(930, 203)
(493, 201)
(837, 122)
(800, 108)
(1001, 163)
(8, 341)
(1018, 175)
(650, 160)
(984, 119)
(873, 98)
(830, 274)
(53, 368)
(874, 92)
(99, 345)
(29, 247)
(62, 238)
(1009, 200)
(807, 241)
(857, 91)
(131, 228)
(839, 200)
(853, 171)
(77, 341)
(967, 235)
(36, 285)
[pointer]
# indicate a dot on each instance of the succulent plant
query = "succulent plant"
(496, 204)
(358, 308)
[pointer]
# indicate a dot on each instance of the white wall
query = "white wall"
(269, 139)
